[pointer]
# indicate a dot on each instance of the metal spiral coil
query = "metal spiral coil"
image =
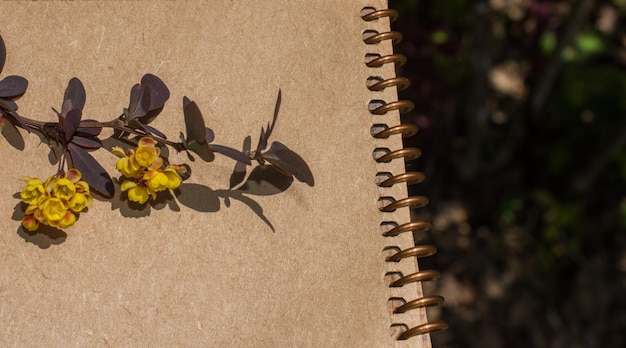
(385, 179)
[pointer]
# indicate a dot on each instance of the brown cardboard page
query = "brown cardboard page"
(292, 265)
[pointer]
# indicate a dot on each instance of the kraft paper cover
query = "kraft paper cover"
(257, 265)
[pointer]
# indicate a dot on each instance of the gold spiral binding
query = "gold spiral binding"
(422, 329)
(401, 83)
(373, 37)
(419, 226)
(384, 179)
(403, 106)
(414, 277)
(406, 130)
(408, 153)
(397, 59)
(370, 14)
(428, 301)
(411, 202)
(410, 178)
(416, 251)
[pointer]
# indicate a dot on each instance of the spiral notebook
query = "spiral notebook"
(231, 259)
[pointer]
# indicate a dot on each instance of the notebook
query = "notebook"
(236, 256)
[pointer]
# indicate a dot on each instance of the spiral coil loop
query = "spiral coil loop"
(392, 229)
(401, 83)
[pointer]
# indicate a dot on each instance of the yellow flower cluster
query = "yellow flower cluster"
(146, 171)
(56, 202)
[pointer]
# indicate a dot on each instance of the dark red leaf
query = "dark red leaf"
(93, 131)
(93, 173)
(159, 93)
(265, 134)
(139, 104)
(146, 102)
(135, 95)
(13, 86)
(196, 131)
(8, 105)
(75, 94)
(232, 153)
(210, 136)
(87, 142)
(3, 53)
(152, 130)
(70, 123)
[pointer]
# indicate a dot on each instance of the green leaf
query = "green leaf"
(547, 42)
(589, 43)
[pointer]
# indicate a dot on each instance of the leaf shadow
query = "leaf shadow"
(12, 135)
(239, 171)
(265, 181)
(128, 208)
(262, 181)
(198, 197)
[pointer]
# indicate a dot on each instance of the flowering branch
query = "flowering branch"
(58, 201)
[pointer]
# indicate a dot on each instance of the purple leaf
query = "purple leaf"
(288, 162)
(143, 106)
(210, 136)
(159, 93)
(146, 101)
(70, 123)
(135, 95)
(139, 106)
(8, 105)
(196, 131)
(93, 131)
(93, 173)
(152, 130)
(13, 86)
(87, 142)
(3, 53)
(232, 153)
(265, 135)
(75, 94)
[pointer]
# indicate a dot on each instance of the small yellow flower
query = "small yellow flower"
(81, 198)
(129, 167)
(136, 193)
(30, 223)
(33, 191)
(68, 220)
(156, 181)
(146, 153)
(53, 210)
(79, 202)
(173, 179)
(64, 189)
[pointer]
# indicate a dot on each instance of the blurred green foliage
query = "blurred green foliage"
(522, 114)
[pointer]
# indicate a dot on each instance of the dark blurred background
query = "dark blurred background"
(521, 106)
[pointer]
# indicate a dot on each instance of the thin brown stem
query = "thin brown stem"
(41, 126)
